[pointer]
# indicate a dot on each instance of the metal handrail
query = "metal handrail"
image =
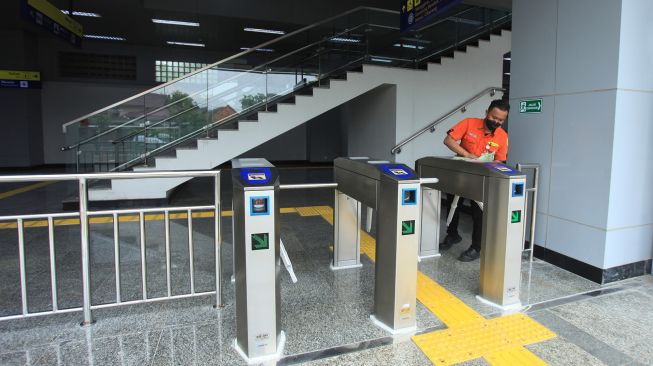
(208, 127)
(431, 126)
(251, 50)
(133, 120)
(533, 190)
(84, 214)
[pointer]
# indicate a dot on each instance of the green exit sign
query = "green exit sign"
(260, 241)
(515, 217)
(530, 106)
(408, 227)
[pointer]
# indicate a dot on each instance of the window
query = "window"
(165, 71)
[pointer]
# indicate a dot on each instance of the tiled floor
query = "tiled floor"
(325, 315)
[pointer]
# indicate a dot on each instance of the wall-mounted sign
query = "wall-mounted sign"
(530, 106)
(20, 79)
(48, 16)
(416, 12)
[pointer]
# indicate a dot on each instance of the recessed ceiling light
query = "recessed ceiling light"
(259, 30)
(108, 38)
(258, 49)
(186, 44)
(380, 59)
(507, 58)
(176, 22)
(405, 45)
(506, 73)
(345, 39)
(82, 14)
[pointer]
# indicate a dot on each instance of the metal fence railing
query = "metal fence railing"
(84, 214)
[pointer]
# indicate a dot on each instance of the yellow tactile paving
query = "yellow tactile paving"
(326, 212)
(368, 245)
(513, 356)
(495, 337)
(443, 304)
(469, 335)
(307, 211)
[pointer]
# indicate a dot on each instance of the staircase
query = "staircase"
(335, 80)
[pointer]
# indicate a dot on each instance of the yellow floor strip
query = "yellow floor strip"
(469, 335)
(28, 188)
(495, 338)
(516, 356)
(307, 211)
(443, 304)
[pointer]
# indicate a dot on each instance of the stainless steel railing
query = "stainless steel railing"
(84, 214)
(431, 126)
(531, 194)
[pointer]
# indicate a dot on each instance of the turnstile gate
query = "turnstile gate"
(502, 190)
(256, 259)
(393, 191)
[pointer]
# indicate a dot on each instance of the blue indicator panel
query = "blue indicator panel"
(398, 171)
(256, 176)
(259, 206)
(503, 168)
(517, 189)
(408, 196)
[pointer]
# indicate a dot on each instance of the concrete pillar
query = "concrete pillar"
(589, 62)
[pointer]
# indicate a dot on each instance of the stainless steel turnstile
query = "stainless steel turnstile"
(501, 189)
(256, 259)
(393, 191)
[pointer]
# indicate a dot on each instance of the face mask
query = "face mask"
(491, 125)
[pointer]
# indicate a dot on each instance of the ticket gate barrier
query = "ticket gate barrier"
(393, 192)
(501, 190)
(256, 260)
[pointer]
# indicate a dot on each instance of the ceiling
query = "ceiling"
(221, 22)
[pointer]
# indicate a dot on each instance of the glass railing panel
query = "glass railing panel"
(199, 104)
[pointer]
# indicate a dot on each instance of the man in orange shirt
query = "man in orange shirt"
(477, 137)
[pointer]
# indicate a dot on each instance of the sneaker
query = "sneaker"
(450, 240)
(469, 255)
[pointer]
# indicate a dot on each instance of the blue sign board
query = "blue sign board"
(503, 168)
(399, 171)
(417, 12)
(256, 176)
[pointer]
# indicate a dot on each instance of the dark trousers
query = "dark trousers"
(477, 219)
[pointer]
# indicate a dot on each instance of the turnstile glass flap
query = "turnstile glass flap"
(253, 173)
(461, 177)
(359, 177)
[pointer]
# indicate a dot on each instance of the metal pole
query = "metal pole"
(167, 235)
(53, 271)
(21, 257)
(143, 258)
(116, 255)
(84, 236)
(536, 179)
(218, 243)
(191, 255)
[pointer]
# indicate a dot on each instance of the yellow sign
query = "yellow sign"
(57, 16)
(20, 75)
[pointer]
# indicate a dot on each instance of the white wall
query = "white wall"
(370, 120)
(424, 96)
(589, 62)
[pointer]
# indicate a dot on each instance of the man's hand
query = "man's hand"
(459, 150)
